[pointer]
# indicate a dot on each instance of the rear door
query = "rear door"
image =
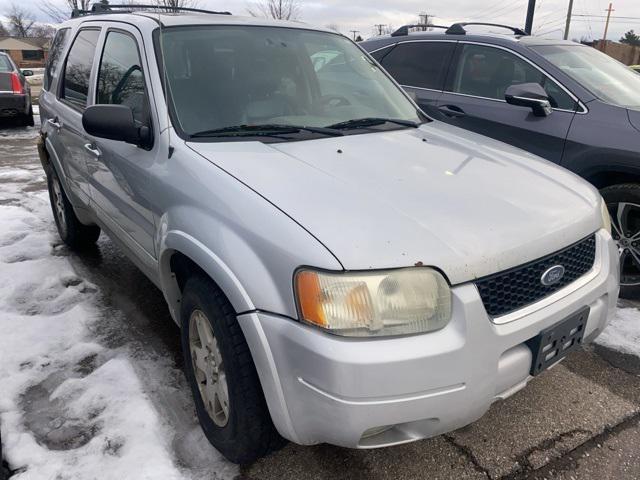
(421, 68)
(65, 127)
(119, 172)
(474, 99)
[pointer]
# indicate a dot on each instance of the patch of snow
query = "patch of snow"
(70, 407)
(623, 332)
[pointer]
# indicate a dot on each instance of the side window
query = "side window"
(55, 52)
(120, 77)
(380, 54)
(77, 71)
(419, 64)
(488, 72)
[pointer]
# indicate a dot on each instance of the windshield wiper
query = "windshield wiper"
(371, 122)
(265, 130)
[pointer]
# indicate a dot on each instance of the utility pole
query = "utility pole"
(424, 20)
(606, 26)
(355, 32)
(568, 25)
(380, 26)
(530, 10)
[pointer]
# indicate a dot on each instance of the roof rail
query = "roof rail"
(103, 8)
(458, 28)
(404, 30)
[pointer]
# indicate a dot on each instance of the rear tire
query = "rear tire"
(623, 203)
(27, 120)
(242, 431)
(76, 235)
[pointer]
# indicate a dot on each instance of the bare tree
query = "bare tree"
(43, 33)
(278, 9)
(3, 31)
(61, 13)
(333, 26)
(20, 21)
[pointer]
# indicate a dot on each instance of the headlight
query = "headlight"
(381, 303)
(606, 218)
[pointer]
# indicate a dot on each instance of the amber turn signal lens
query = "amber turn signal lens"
(310, 297)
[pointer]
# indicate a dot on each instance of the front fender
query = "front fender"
(178, 241)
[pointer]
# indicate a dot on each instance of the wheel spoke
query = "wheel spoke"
(204, 331)
(199, 355)
(616, 229)
(620, 217)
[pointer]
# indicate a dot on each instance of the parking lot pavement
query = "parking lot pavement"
(578, 420)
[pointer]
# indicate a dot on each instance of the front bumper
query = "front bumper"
(327, 389)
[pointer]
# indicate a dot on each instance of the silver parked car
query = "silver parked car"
(343, 269)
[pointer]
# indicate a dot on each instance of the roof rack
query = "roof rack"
(102, 8)
(404, 30)
(458, 28)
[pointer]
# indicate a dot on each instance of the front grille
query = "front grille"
(518, 287)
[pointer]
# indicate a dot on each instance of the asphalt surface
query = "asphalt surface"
(579, 420)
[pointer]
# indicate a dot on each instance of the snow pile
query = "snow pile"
(623, 333)
(69, 407)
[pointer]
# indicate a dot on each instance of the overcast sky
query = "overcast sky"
(362, 15)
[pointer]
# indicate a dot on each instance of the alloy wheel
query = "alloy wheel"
(58, 205)
(208, 368)
(625, 223)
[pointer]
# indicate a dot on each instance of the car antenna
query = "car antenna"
(165, 86)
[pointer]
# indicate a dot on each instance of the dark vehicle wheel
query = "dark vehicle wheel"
(623, 202)
(28, 118)
(225, 386)
(76, 235)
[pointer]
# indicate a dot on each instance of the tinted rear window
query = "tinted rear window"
(78, 68)
(55, 53)
(5, 64)
(419, 64)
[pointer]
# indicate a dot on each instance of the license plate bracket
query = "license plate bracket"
(554, 343)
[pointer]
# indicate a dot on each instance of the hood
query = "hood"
(437, 196)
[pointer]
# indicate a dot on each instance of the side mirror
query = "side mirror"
(115, 122)
(530, 95)
(27, 73)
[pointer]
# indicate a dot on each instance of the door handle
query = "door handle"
(95, 151)
(452, 111)
(54, 123)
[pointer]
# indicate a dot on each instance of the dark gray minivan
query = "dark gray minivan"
(566, 102)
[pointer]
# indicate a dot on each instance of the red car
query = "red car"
(15, 93)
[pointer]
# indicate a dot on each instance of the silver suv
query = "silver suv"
(343, 268)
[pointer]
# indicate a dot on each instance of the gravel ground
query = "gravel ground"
(579, 420)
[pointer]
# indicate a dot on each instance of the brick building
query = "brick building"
(25, 52)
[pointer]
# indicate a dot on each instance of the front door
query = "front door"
(119, 172)
(474, 99)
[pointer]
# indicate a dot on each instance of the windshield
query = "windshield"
(221, 77)
(606, 78)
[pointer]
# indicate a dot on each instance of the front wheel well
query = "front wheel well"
(183, 267)
(604, 179)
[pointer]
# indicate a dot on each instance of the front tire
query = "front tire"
(76, 235)
(623, 203)
(226, 389)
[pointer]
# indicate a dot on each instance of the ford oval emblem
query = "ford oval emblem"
(553, 275)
